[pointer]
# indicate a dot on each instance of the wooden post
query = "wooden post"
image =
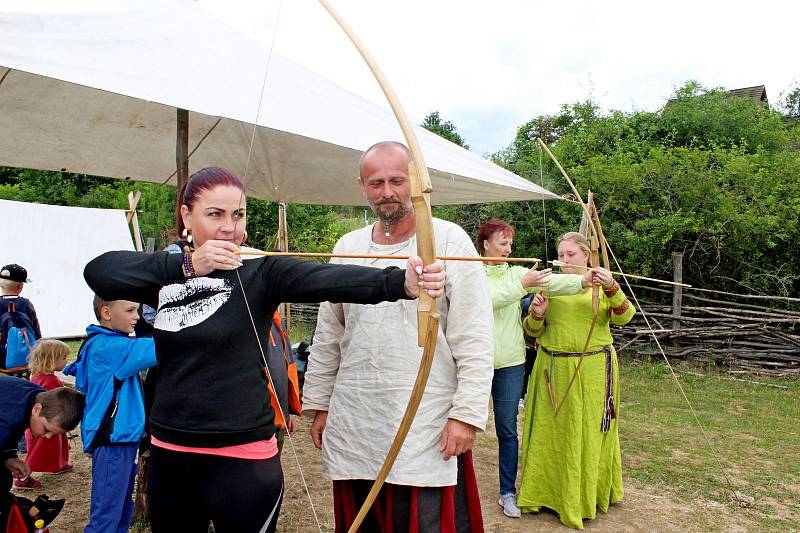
(140, 508)
(150, 247)
(677, 290)
(182, 147)
(283, 245)
(133, 218)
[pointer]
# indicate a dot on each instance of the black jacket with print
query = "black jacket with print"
(211, 389)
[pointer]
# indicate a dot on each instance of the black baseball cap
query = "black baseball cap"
(14, 272)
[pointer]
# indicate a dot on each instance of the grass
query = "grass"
(74, 346)
(301, 331)
(753, 429)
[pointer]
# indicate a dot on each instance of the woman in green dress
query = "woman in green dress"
(571, 462)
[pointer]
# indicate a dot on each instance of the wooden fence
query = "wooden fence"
(749, 333)
(743, 332)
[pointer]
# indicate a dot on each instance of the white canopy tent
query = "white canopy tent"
(54, 243)
(97, 92)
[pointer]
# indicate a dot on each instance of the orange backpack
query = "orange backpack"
(295, 407)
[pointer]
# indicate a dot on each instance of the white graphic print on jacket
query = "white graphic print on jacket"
(182, 305)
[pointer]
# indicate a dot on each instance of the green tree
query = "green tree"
(433, 122)
(710, 176)
(790, 103)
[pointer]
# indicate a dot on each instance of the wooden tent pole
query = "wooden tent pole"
(182, 147)
(283, 246)
(133, 219)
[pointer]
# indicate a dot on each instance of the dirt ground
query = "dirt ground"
(643, 509)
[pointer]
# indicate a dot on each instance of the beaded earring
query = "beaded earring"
(187, 236)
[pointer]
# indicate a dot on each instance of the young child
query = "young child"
(107, 371)
(27, 405)
(46, 455)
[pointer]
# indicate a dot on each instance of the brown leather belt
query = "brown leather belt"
(573, 354)
(609, 403)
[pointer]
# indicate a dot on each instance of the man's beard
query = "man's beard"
(390, 218)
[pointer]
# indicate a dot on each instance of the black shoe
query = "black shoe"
(47, 509)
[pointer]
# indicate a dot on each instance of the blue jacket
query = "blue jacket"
(106, 355)
(17, 397)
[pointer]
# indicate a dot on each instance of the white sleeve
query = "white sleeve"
(470, 334)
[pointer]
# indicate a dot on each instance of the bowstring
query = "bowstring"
(241, 285)
(544, 213)
(731, 486)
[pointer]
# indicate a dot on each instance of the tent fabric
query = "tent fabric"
(54, 243)
(95, 92)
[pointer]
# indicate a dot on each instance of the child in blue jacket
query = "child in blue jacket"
(107, 372)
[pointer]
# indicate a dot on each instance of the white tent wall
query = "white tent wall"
(54, 243)
(95, 92)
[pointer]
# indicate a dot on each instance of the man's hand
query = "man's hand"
(18, 468)
(318, 427)
(457, 438)
(431, 278)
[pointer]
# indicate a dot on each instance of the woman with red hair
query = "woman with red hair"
(507, 285)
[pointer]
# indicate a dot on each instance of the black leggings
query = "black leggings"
(186, 490)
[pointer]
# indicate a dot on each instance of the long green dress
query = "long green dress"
(568, 464)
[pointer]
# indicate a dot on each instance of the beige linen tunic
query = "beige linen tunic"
(364, 361)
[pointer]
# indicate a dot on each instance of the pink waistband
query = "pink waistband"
(260, 449)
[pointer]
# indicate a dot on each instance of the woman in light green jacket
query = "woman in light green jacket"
(507, 285)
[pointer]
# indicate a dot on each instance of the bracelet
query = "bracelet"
(612, 291)
(537, 317)
(188, 266)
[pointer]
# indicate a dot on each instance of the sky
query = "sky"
(489, 67)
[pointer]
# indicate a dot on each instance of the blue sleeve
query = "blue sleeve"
(138, 355)
(70, 370)
(8, 440)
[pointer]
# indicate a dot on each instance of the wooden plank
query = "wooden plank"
(133, 219)
(677, 290)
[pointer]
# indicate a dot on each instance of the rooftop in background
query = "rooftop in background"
(757, 93)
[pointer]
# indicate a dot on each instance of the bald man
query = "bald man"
(364, 362)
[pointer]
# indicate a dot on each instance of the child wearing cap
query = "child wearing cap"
(12, 280)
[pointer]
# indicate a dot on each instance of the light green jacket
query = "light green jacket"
(505, 288)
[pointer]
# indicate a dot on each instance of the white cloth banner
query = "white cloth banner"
(54, 243)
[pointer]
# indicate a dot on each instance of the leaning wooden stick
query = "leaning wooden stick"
(374, 256)
(563, 264)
